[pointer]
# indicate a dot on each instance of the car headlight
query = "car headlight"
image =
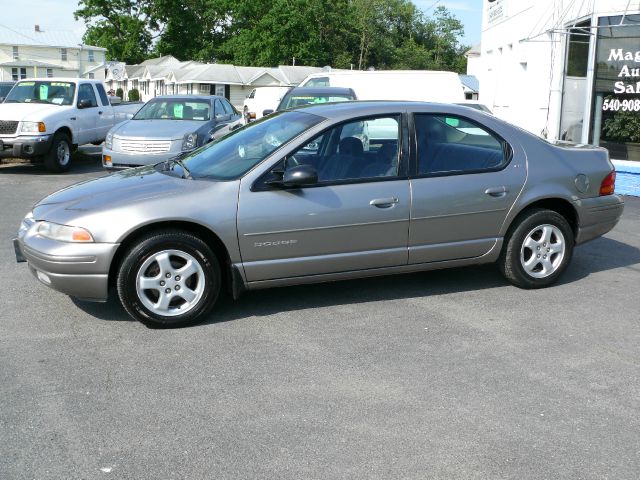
(190, 141)
(108, 142)
(63, 233)
(27, 223)
(33, 127)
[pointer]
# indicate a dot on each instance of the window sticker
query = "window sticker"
(178, 110)
(43, 92)
(452, 122)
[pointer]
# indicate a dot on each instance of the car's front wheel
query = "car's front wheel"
(537, 250)
(169, 279)
(58, 159)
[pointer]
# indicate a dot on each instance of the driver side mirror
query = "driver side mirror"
(294, 177)
(84, 103)
(300, 176)
(266, 112)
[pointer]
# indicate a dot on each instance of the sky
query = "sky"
(58, 15)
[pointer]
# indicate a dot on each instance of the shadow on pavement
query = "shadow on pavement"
(87, 159)
(600, 255)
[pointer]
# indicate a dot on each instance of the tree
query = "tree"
(384, 34)
(120, 26)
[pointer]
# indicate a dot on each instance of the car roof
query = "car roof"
(204, 98)
(320, 91)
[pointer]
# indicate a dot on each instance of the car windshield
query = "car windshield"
(233, 155)
(294, 101)
(57, 93)
(174, 109)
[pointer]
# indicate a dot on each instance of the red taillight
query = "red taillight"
(608, 185)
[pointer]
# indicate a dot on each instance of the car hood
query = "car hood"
(26, 111)
(121, 188)
(159, 129)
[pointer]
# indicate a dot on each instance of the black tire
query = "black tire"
(53, 160)
(514, 253)
(143, 252)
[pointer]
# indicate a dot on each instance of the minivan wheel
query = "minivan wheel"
(538, 250)
(58, 158)
(169, 279)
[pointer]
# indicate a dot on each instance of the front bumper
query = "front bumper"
(113, 159)
(597, 216)
(80, 270)
(24, 146)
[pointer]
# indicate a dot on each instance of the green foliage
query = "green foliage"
(119, 92)
(623, 127)
(134, 95)
(384, 34)
(120, 26)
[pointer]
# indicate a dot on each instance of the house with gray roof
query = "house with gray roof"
(40, 53)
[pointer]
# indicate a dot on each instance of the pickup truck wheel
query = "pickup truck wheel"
(538, 249)
(169, 279)
(58, 158)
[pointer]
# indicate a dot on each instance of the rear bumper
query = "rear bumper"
(78, 270)
(24, 147)
(597, 216)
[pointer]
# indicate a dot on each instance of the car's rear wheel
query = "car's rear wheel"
(58, 158)
(169, 279)
(538, 249)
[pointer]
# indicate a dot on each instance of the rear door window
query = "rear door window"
(103, 95)
(451, 144)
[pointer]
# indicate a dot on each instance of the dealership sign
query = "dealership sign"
(496, 10)
(629, 83)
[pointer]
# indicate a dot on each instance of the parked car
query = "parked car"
(259, 209)
(298, 97)
(475, 105)
(410, 85)
(261, 99)
(5, 87)
(48, 118)
(168, 126)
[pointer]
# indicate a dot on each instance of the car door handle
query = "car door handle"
(72, 118)
(497, 191)
(99, 112)
(384, 202)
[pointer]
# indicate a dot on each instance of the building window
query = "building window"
(92, 76)
(63, 54)
(16, 55)
(49, 72)
(91, 56)
(616, 97)
(18, 74)
(205, 88)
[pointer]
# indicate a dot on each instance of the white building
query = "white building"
(32, 53)
(167, 76)
(564, 69)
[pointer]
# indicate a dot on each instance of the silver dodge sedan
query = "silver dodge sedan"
(294, 198)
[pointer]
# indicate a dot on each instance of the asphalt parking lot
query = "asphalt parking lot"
(451, 374)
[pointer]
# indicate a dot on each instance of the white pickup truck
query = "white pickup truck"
(48, 118)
